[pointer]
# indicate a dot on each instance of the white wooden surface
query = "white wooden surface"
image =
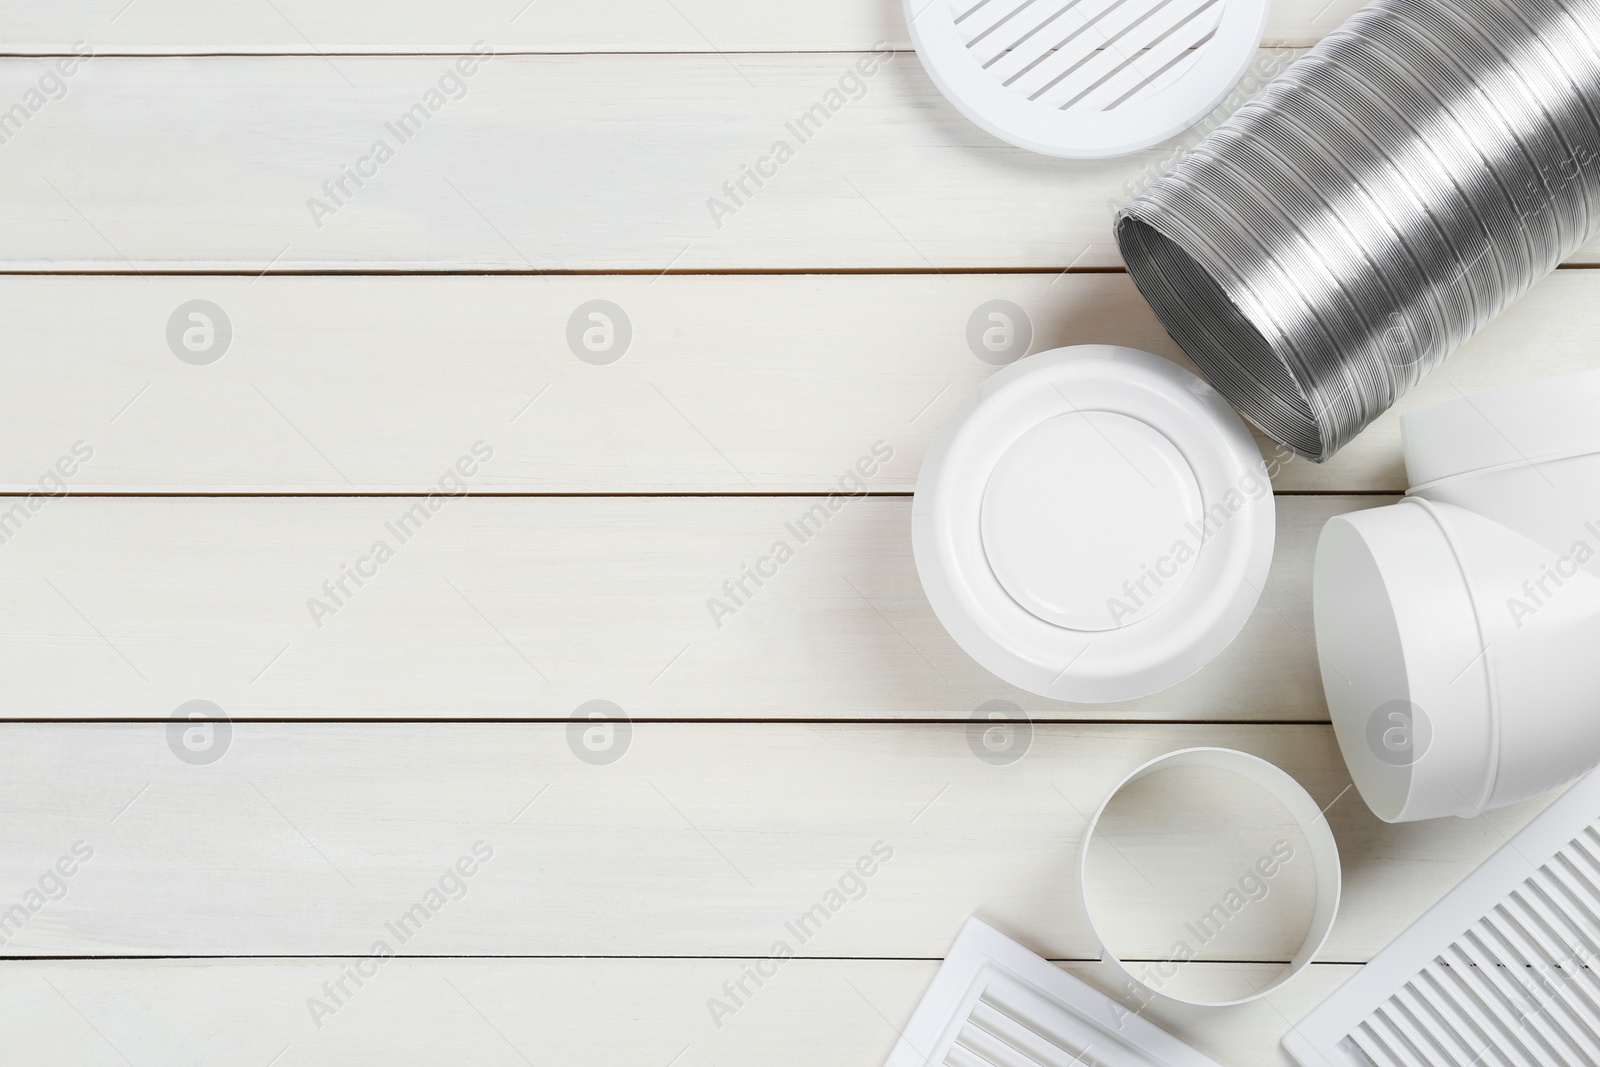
(289, 27)
(741, 829)
(732, 383)
(509, 1013)
(119, 607)
(769, 354)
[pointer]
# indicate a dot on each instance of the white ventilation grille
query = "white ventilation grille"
(1516, 985)
(1086, 77)
(1090, 55)
(1502, 972)
(995, 1004)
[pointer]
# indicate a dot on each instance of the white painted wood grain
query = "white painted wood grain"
(730, 383)
(591, 162)
(701, 839)
(604, 1013)
(307, 27)
(588, 162)
(519, 607)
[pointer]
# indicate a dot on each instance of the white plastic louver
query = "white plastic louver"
(995, 1004)
(1500, 973)
(1086, 78)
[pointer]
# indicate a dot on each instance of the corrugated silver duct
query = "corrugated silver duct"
(1376, 205)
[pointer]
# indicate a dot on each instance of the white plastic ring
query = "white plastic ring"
(1301, 807)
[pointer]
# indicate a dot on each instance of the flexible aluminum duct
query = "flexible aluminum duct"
(1376, 205)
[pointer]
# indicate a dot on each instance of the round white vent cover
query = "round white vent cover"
(1093, 524)
(1086, 78)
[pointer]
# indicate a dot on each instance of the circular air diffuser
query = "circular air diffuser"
(1086, 78)
(1093, 524)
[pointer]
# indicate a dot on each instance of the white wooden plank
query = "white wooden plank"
(601, 1013)
(356, 26)
(728, 383)
(591, 162)
(518, 607)
(701, 839)
(557, 162)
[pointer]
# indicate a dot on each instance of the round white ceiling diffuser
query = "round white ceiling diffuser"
(1093, 524)
(1086, 78)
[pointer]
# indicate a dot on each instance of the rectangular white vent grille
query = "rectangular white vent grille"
(1502, 971)
(995, 1004)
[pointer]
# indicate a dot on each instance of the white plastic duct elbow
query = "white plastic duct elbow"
(1459, 630)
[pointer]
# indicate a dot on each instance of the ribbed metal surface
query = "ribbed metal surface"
(1375, 206)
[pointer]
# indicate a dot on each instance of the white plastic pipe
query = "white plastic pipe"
(1459, 630)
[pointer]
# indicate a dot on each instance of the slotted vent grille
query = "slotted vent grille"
(995, 1004)
(1009, 1027)
(1518, 988)
(1086, 55)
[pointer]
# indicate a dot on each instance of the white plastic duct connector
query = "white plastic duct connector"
(1459, 630)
